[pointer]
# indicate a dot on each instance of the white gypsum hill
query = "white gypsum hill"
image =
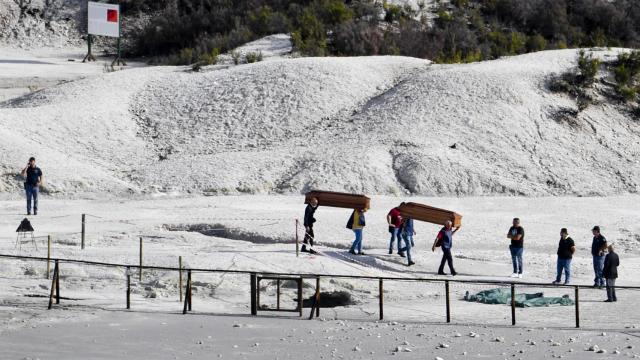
(368, 124)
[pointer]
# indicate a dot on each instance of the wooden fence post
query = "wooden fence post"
(381, 298)
(180, 275)
(140, 273)
(48, 256)
(577, 307)
(448, 300)
(253, 285)
(297, 239)
(83, 232)
(513, 304)
(128, 287)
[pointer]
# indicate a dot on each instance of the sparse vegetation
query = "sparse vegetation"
(463, 30)
(253, 57)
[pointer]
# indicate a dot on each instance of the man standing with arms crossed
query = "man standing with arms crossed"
(516, 234)
(33, 180)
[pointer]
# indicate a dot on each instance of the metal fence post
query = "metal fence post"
(128, 287)
(253, 285)
(53, 285)
(381, 298)
(448, 300)
(577, 306)
(318, 296)
(513, 304)
(48, 256)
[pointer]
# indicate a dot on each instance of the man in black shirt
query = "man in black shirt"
(308, 225)
(598, 246)
(566, 249)
(33, 180)
(516, 234)
(610, 272)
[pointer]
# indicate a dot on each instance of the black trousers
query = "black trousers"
(446, 257)
(308, 237)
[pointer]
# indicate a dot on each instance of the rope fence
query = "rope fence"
(445, 285)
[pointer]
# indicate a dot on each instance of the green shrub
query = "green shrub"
(210, 58)
(627, 93)
(588, 68)
(536, 43)
(253, 57)
(310, 38)
(235, 56)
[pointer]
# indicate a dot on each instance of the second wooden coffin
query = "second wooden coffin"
(337, 199)
(430, 214)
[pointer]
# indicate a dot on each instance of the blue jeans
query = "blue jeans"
(32, 193)
(566, 265)
(395, 235)
(516, 259)
(611, 290)
(357, 243)
(408, 243)
(598, 266)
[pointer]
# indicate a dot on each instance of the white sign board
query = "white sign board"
(104, 19)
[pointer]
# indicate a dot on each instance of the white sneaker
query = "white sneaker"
(514, 275)
(519, 276)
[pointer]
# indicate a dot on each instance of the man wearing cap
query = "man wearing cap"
(566, 249)
(598, 247)
(33, 179)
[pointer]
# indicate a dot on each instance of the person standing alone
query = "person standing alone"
(566, 249)
(516, 234)
(309, 220)
(610, 272)
(33, 180)
(598, 246)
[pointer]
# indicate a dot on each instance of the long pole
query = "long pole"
(297, 239)
(83, 231)
(189, 287)
(56, 278)
(140, 273)
(253, 281)
(48, 256)
(128, 287)
(180, 274)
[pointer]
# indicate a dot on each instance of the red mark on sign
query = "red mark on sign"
(112, 15)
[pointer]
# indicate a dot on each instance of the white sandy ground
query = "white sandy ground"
(95, 296)
(373, 124)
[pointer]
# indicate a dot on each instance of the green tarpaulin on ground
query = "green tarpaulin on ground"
(503, 296)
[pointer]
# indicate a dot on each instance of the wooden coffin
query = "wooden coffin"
(430, 214)
(337, 199)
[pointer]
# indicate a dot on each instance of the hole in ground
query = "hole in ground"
(222, 231)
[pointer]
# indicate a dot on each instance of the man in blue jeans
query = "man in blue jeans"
(598, 247)
(394, 219)
(33, 180)
(566, 249)
(516, 235)
(407, 232)
(445, 240)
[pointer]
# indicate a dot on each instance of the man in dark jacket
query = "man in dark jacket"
(33, 180)
(445, 240)
(610, 272)
(308, 225)
(566, 249)
(516, 235)
(598, 246)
